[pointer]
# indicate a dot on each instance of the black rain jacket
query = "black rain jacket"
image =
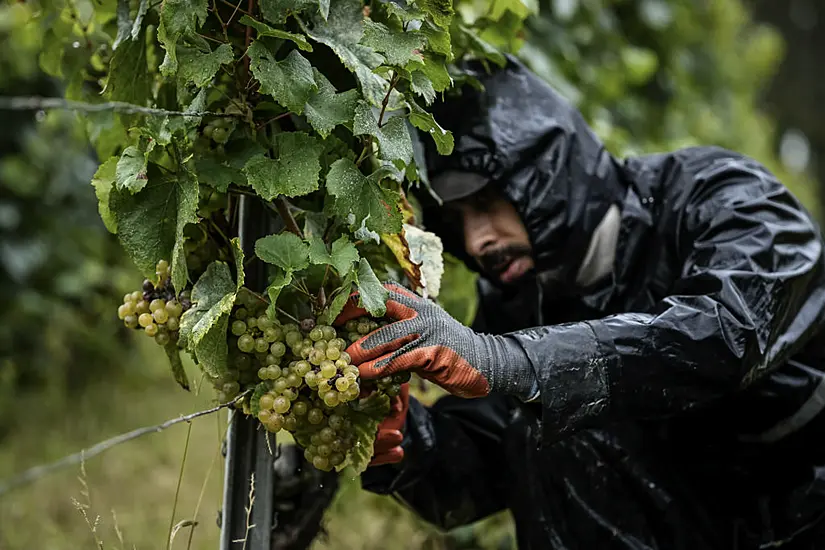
(681, 399)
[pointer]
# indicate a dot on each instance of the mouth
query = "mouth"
(512, 270)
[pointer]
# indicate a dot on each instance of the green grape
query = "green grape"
(231, 388)
(353, 336)
(276, 422)
(315, 416)
(173, 324)
(243, 362)
(252, 322)
(162, 338)
(393, 390)
(263, 373)
(238, 327)
(261, 345)
(337, 445)
(270, 334)
(300, 408)
(308, 455)
(328, 369)
(246, 343)
(320, 345)
(324, 450)
(264, 322)
(145, 319)
(333, 353)
(127, 298)
(352, 392)
(162, 266)
(302, 368)
(329, 332)
(341, 364)
(316, 334)
(336, 459)
(131, 321)
(292, 338)
(160, 315)
(336, 421)
(278, 349)
(280, 404)
(385, 381)
(280, 385)
(290, 394)
(331, 398)
(315, 440)
(273, 372)
(174, 308)
(265, 416)
(241, 313)
(326, 435)
(342, 384)
(290, 423)
(351, 325)
(351, 369)
(320, 462)
(123, 311)
(151, 330)
(345, 357)
(293, 380)
(311, 379)
(156, 304)
(272, 360)
(323, 386)
(266, 401)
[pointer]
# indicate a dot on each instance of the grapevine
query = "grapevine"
(317, 110)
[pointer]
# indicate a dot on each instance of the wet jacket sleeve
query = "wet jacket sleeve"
(748, 294)
(451, 474)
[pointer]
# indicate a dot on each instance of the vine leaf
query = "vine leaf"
(342, 31)
(440, 10)
(178, 18)
(237, 254)
(295, 172)
(397, 243)
(132, 168)
(290, 82)
(203, 327)
(255, 398)
(426, 250)
(373, 295)
(423, 86)
(394, 141)
(124, 23)
(178, 372)
(438, 40)
(187, 213)
(148, 221)
(217, 174)
(399, 47)
(339, 300)
(368, 413)
(405, 14)
(103, 181)
(281, 279)
(363, 197)
(199, 67)
(434, 68)
(326, 109)
(424, 121)
(138, 24)
(129, 78)
(277, 11)
(286, 250)
(265, 30)
(343, 254)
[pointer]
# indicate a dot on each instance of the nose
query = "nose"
(479, 232)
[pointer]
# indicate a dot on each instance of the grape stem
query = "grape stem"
(33, 474)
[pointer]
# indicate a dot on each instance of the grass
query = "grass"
(127, 494)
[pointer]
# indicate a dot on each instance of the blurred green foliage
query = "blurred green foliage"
(59, 268)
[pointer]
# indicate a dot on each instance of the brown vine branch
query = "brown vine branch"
(386, 100)
(34, 103)
(33, 474)
(286, 215)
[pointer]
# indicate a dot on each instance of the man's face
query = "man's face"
(494, 236)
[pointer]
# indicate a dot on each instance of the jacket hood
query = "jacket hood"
(524, 138)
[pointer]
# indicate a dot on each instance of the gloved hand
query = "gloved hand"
(424, 338)
(390, 432)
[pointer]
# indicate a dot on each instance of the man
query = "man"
(646, 367)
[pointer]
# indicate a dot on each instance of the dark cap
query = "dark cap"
(453, 185)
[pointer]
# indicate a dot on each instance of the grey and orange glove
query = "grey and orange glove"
(387, 449)
(423, 338)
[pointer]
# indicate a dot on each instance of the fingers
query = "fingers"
(393, 456)
(387, 439)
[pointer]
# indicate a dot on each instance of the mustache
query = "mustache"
(496, 260)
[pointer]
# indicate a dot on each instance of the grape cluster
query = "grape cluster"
(155, 309)
(355, 329)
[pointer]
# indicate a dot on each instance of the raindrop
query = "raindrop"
(40, 116)
(75, 44)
